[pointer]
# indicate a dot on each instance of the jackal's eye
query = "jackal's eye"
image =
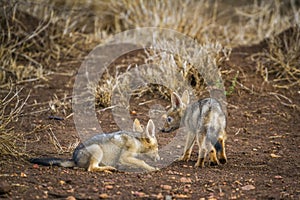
(169, 119)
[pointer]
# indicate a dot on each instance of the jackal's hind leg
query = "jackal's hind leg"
(96, 158)
(190, 141)
(94, 167)
(202, 150)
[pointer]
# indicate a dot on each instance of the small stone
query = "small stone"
(185, 180)
(109, 187)
(166, 187)
(248, 187)
(103, 196)
(133, 112)
(274, 155)
(168, 197)
(186, 190)
(35, 166)
(62, 182)
(140, 194)
(278, 177)
(70, 198)
(159, 196)
(181, 196)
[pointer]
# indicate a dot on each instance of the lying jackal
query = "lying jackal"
(103, 152)
(204, 121)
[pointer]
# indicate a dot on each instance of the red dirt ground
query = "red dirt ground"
(263, 148)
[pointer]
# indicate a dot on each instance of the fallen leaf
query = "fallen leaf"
(248, 187)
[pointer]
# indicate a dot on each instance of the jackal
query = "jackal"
(204, 121)
(103, 152)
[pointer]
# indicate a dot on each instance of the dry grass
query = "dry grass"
(280, 63)
(241, 24)
(30, 44)
(171, 65)
(11, 143)
(231, 23)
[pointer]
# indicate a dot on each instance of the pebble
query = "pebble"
(168, 197)
(185, 180)
(70, 198)
(248, 187)
(103, 196)
(166, 187)
(109, 187)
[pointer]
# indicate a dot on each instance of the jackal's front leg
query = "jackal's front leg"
(213, 156)
(221, 152)
(128, 160)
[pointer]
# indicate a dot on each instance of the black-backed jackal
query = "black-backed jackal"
(103, 152)
(204, 122)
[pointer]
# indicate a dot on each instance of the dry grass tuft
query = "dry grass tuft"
(280, 63)
(231, 23)
(168, 66)
(34, 37)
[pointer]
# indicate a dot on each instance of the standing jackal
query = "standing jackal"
(103, 152)
(204, 121)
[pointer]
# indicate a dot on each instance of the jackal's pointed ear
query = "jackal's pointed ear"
(137, 126)
(185, 97)
(175, 100)
(150, 130)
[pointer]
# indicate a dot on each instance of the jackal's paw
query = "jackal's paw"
(214, 163)
(151, 169)
(223, 160)
(184, 158)
(199, 163)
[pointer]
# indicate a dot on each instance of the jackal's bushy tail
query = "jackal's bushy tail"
(53, 162)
